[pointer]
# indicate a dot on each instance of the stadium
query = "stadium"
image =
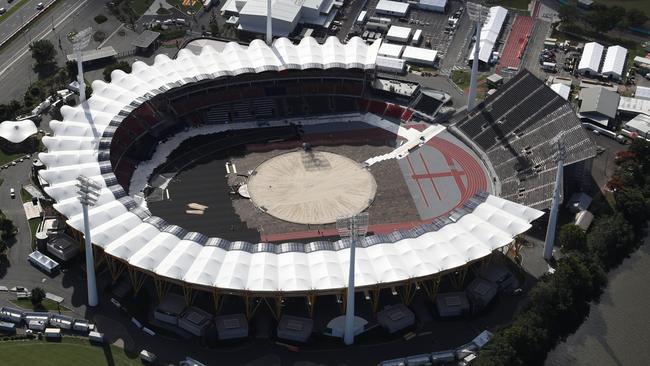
(184, 150)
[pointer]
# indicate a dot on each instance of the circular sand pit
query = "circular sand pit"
(311, 187)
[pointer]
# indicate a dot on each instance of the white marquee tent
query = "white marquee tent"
(590, 59)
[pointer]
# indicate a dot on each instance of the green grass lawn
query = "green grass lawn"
(8, 158)
(13, 9)
(25, 196)
(45, 305)
(461, 78)
(68, 352)
(140, 6)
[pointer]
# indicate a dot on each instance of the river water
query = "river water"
(617, 331)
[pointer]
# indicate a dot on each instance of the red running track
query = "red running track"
(460, 162)
(516, 43)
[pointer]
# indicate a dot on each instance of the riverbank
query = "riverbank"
(616, 332)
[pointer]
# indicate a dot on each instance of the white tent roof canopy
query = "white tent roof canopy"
(614, 61)
(150, 244)
(17, 131)
(591, 56)
(490, 33)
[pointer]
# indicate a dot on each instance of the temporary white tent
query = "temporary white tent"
(398, 34)
(149, 244)
(419, 55)
(590, 59)
(614, 62)
(390, 50)
(433, 5)
(490, 33)
(562, 89)
(17, 131)
(392, 8)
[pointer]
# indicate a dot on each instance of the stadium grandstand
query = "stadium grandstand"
(247, 89)
(516, 128)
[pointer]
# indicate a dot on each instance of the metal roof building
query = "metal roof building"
(590, 59)
(614, 62)
(639, 125)
(642, 92)
(634, 106)
(599, 104)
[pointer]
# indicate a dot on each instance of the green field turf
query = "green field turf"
(69, 352)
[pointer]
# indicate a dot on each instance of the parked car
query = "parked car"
(12, 193)
(2, 11)
(40, 6)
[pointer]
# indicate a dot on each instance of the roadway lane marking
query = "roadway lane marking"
(42, 35)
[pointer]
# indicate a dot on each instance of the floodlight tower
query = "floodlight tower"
(79, 42)
(477, 13)
(354, 227)
(88, 194)
(557, 198)
(269, 23)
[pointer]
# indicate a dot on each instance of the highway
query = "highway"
(16, 71)
(14, 21)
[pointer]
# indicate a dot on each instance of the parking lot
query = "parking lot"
(431, 23)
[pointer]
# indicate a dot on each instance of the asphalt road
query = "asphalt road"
(16, 71)
(13, 22)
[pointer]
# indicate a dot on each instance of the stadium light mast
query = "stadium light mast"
(269, 23)
(477, 13)
(88, 194)
(353, 227)
(79, 42)
(560, 156)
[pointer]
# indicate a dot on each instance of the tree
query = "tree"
(568, 13)
(610, 238)
(7, 228)
(122, 65)
(71, 69)
(631, 202)
(9, 111)
(572, 237)
(43, 52)
(604, 19)
(635, 18)
(38, 295)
